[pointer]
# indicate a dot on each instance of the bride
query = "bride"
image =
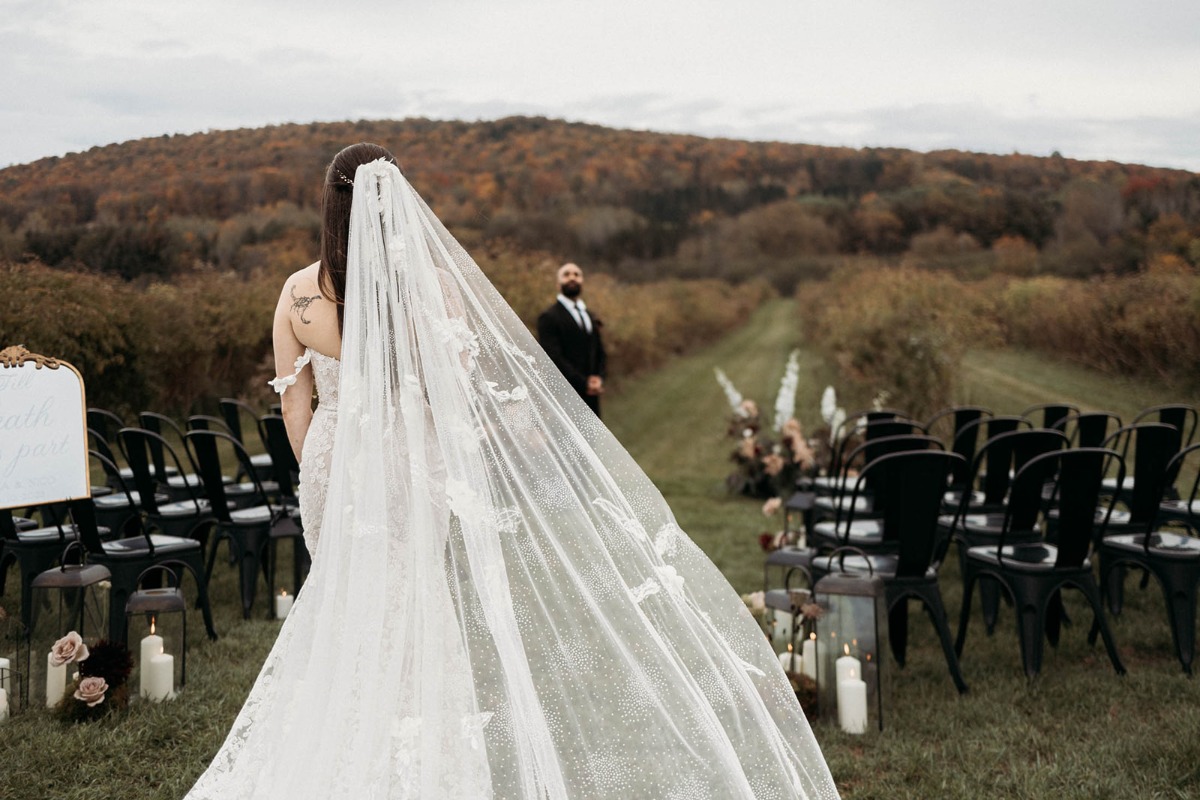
(501, 604)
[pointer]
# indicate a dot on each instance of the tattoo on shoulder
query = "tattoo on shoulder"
(301, 304)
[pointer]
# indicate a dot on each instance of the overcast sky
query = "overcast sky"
(1090, 78)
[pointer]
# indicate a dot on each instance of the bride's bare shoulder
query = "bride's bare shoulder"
(303, 279)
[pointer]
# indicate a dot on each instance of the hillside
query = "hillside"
(639, 203)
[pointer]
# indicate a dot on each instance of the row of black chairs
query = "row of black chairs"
(168, 504)
(1026, 499)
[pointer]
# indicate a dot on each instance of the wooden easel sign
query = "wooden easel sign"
(43, 430)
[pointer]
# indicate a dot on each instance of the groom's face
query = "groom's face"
(570, 280)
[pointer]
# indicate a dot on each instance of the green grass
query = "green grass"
(1078, 731)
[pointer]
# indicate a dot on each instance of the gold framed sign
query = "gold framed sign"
(43, 430)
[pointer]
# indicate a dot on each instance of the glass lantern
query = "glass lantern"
(849, 640)
(12, 694)
(156, 619)
(73, 597)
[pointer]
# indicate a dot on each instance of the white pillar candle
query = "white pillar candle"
(789, 660)
(808, 657)
(5, 671)
(56, 681)
(283, 604)
(3, 704)
(152, 646)
(158, 677)
(781, 627)
(852, 703)
(846, 665)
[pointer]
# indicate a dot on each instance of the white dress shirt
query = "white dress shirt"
(578, 310)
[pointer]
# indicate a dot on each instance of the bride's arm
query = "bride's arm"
(297, 400)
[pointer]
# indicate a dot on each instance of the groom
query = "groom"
(570, 335)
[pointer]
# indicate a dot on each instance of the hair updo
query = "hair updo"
(336, 200)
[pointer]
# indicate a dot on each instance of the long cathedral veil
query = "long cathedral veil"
(501, 603)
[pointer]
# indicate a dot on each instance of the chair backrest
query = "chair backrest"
(205, 445)
(1051, 413)
(1180, 415)
(1077, 476)
(960, 417)
(232, 410)
(139, 444)
(99, 443)
(1089, 429)
(909, 487)
(1154, 445)
(1005, 453)
(283, 461)
(1190, 497)
(105, 422)
(160, 424)
(205, 422)
(871, 451)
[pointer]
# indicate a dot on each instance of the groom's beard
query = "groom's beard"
(571, 290)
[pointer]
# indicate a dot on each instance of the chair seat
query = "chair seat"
(1163, 544)
(1180, 506)
(115, 500)
(790, 557)
(954, 498)
(183, 509)
(1033, 557)
(24, 524)
(191, 481)
(50, 534)
(251, 516)
(1110, 484)
(862, 531)
(261, 460)
(825, 481)
(991, 525)
(136, 546)
(832, 503)
(885, 566)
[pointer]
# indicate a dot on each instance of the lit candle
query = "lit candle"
(781, 629)
(283, 604)
(56, 681)
(152, 646)
(5, 669)
(789, 660)
(3, 704)
(847, 664)
(808, 656)
(158, 677)
(852, 703)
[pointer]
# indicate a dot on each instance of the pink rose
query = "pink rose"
(772, 506)
(91, 691)
(773, 464)
(67, 649)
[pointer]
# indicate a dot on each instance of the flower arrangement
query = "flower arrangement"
(101, 681)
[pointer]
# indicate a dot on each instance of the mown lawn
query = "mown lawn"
(1078, 731)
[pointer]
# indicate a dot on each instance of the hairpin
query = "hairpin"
(342, 175)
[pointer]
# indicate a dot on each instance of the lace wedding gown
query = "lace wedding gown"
(501, 604)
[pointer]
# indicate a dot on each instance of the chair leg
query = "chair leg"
(1092, 593)
(964, 614)
(1055, 617)
(1031, 627)
(898, 629)
(1179, 590)
(937, 614)
(195, 565)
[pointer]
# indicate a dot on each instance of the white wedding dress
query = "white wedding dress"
(501, 604)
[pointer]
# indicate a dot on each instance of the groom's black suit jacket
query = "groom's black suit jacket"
(575, 352)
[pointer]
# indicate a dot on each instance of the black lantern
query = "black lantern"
(850, 637)
(157, 619)
(12, 695)
(71, 599)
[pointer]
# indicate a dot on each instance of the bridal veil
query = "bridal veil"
(501, 604)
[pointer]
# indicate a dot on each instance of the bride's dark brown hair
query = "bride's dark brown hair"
(336, 200)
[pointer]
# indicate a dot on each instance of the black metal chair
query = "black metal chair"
(241, 491)
(33, 550)
(867, 433)
(1032, 571)
(1172, 557)
(985, 481)
(980, 524)
(843, 437)
(249, 531)
(913, 482)
(1179, 415)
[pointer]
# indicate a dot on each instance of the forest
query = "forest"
(192, 219)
